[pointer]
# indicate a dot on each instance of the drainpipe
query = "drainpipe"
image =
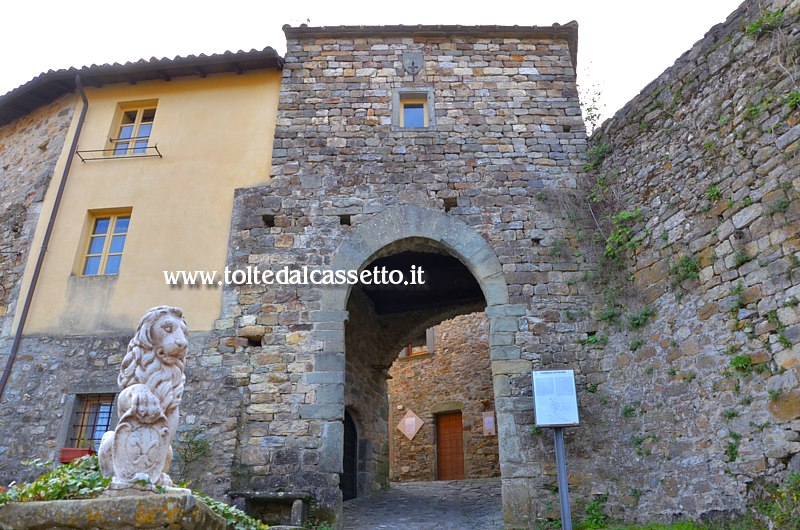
(45, 241)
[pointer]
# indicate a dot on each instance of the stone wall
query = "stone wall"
(35, 406)
(29, 149)
(347, 183)
(366, 397)
(700, 403)
(456, 376)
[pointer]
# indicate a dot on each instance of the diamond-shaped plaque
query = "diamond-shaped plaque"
(410, 425)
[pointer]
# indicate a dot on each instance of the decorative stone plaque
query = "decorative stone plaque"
(410, 425)
(412, 62)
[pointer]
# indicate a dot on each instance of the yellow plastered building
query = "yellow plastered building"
(160, 148)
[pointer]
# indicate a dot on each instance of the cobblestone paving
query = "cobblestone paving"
(443, 505)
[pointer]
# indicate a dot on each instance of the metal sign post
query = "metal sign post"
(563, 488)
(555, 404)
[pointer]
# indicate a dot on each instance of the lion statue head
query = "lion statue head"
(156, 355)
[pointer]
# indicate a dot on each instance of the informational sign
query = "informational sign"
(489, 428)
(410, 425)
(554, 398)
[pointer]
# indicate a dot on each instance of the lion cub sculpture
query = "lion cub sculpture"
(151, 381)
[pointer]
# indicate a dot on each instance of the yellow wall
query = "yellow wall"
(215, 135)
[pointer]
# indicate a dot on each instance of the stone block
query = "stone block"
(521, 503)
(329, 362)
(513, 367)
(323, 411)
(318, 377)
(786, 407)
(504, 353)
(329, 393)
(169, 511)
(747, 215)
(330, 460)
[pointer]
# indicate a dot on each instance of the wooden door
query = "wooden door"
(449, 446)
(348, 479)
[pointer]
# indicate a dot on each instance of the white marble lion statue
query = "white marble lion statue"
(151, 381)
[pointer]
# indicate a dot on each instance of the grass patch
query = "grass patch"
(740, 258)
(597, 153)
(686, 268)
(742, 364)
(793, 99)
(641, 318)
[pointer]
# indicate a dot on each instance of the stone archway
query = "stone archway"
(366, 242)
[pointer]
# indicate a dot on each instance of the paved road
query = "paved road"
(441, 505)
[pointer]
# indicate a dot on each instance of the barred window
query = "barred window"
(93, 417)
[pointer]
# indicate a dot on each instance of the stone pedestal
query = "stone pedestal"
(169, 511)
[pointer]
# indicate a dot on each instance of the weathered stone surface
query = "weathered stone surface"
(29, 149)
(786, 407)
(697, 151)
(455, 376)
(472, 186)
(156, 512)
(60, 365)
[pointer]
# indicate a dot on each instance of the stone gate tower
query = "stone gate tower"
(433, 146)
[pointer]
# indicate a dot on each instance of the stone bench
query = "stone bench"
(276, 508)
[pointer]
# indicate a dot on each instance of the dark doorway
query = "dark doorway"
(347, 480)
(449, 446)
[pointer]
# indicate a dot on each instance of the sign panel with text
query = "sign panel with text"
(554, 398)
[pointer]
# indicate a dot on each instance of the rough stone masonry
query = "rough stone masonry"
(687, 401)
(351, 187)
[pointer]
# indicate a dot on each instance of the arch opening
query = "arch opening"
(368, 328)
(386, 324)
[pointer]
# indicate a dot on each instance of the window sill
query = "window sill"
(416, 357)
(108, 154)
(94, 277)
(418, 131)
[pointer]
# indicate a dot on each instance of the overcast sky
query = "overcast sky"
(622, 44)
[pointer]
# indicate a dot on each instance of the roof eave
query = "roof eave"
(51, 85)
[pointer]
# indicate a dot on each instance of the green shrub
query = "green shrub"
(768, 21)
(628, 411)
(740, 258)
(596, 517)
(80, 479)
(729, 414)
(732, 449)
(779, 206)
(622, 235)
(636, 344)
(713, 192)
(781, 504)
